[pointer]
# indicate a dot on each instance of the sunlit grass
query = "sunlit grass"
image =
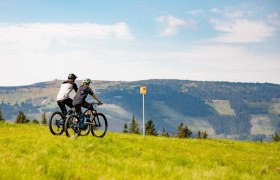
(32, 152)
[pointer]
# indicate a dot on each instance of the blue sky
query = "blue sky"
(237, 41)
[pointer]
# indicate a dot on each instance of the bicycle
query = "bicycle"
(96, 123)
(57, 121)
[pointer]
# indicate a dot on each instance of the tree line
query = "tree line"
(183, 131)
(22, 119)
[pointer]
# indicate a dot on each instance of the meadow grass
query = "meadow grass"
(32, 152)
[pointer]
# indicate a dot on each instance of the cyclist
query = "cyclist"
(63, 94)
(79, 99)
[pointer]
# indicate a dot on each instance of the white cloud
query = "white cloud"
(40, 52)
(215, 10)
(242, 30)
(274, 19)
(229, 12)
(173, 24)
(63, 31)
(34, 52)
(231, 63)
(196, 12)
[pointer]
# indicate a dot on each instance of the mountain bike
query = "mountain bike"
(92, 121)
(57, 121)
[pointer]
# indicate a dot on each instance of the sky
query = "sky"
(130, 40)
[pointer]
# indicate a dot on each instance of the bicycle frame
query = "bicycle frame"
(93, 113)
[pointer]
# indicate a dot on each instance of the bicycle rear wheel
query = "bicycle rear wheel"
(56, 123)
(99, 125)
(87, 126)
(71, 126)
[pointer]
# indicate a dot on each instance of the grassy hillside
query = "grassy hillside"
(31, 152)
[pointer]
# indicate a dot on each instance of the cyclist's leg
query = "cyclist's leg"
(79, 111)
(69, 103)
(62, 107)
(87, 105)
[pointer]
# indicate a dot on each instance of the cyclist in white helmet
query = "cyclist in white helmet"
(79, 99)
(63, 94)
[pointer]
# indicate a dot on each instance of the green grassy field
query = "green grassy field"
(32, 152)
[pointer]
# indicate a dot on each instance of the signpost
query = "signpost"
(143, 91)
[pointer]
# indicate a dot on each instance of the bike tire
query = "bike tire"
(99, 125)
(56, 121)
(71, 128)
(85, 132)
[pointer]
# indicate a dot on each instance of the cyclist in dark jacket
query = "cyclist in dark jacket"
(63, 94)
(79, 99)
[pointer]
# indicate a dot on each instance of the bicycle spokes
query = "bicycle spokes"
(56, 123)
(72, 126)
(99, 125)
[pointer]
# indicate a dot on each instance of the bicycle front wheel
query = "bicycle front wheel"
(99, 125)
(56, 123)
(71, 126)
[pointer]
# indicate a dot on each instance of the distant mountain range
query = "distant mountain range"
(232, 110)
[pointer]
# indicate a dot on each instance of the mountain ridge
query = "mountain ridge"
(227, 109)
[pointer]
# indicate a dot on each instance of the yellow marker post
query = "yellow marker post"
(143, 91)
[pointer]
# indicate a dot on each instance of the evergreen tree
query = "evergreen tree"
(27, 120)
(276, 137)
(35, 121)
(188, 132)
(198, 135)
(201, 135)
(164, 133)
(180, 130)
(125, 128)
(150, 128)
(21, 118)
(204, 135)
(183, 132)
(44, 119)
(1, 115)
(134, 129)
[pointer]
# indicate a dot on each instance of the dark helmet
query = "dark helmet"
(72, 76)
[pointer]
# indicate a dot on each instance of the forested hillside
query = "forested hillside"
(232, 110)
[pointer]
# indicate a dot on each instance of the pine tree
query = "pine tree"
(183, 132)
(35, 121)
(150, 128)
(180, 130)
(125, 128)
(276, 137)
(21, 118)
(164, 133)
(44, 119)
(198, 135)
(134, 129)
(201, 135)
(1, 115)
(204, 135)
(188, 132)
